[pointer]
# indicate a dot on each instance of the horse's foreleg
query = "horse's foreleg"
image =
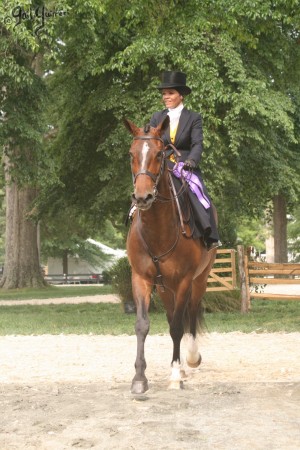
(140, 383)
(141, 291)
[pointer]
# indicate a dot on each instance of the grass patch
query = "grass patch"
(54, 292)
(84, 318)
(264, 316)
(224, 301)
(106, 318)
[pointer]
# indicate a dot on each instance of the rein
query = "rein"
(156, 259)
(155, 178)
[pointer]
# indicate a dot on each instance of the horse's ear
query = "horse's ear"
(163, 125)
(131, 127)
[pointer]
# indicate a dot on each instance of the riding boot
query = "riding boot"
(210, 244)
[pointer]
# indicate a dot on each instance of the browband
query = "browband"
(143, 138)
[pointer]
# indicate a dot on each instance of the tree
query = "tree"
(103, 63)
(252, 232)
(242, 62)
(22, 127)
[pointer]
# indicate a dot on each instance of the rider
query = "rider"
(185, 133)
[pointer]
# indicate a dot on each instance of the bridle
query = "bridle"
(166, 152)
(154, 177)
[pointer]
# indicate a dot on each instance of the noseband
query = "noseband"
(154, 177)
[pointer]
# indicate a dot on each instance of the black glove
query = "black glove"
(189, 164)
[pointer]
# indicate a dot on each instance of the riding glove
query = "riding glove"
(189, 164)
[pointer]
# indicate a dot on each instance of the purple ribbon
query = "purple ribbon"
(194, 183)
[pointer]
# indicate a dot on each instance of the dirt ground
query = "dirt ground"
(67, 392)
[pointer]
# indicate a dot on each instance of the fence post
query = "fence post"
(243, 279)
(233, 266)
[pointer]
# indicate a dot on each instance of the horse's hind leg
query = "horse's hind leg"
(193, 357)
(141, 292)
(176, 332)
(194, 313)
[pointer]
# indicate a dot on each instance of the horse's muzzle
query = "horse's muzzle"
(143, 202)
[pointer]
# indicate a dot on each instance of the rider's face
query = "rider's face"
(171, 98)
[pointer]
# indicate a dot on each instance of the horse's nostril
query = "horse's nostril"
(143, 201)
(148, 198)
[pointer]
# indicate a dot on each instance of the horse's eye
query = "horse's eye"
(159, 155)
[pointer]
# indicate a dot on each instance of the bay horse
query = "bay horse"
(160, 254)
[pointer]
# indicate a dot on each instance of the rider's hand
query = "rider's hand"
(189, 164)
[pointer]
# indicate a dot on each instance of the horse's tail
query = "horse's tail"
(197, 322)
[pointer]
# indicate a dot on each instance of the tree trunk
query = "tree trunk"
(280, 229)
(21, 267)
(65, 262)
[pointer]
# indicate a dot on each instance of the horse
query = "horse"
(162, 255)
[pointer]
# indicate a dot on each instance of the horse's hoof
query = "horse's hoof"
(139, 387)
(183, 374)
(175, 385)
(196, 364)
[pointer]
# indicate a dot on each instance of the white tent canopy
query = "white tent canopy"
(109, 251)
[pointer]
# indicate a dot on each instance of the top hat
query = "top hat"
(174, 80)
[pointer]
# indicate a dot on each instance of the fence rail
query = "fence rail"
(260, 273)
(224, 264)
(254, 276)
(80, 278)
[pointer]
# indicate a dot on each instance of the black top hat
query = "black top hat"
(174, 80)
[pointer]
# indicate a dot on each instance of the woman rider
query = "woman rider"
(185, 133)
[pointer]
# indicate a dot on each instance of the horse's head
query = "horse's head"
(147, 161)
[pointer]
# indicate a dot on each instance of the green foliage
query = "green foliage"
(242, 62)
(64, 132)
(120, 275)
(252, 232)
(110, 235)
(23, 95)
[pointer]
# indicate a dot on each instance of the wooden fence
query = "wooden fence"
(254, 276)
(223, 274)
(80, 278)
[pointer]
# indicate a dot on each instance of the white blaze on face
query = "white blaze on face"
(145, 150)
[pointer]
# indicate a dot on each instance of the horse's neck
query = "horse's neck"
(160, 221)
